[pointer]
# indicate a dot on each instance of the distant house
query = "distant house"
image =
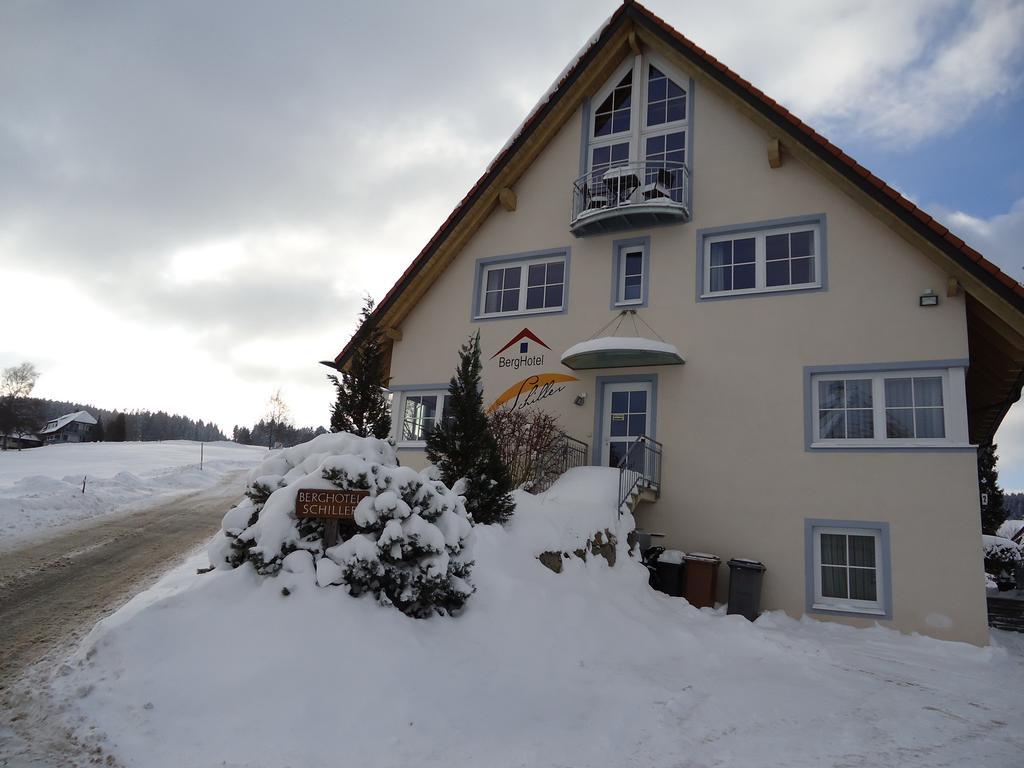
(70, 428)
(19, 440)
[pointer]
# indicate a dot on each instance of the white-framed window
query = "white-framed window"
(642, 116)
(849, 569)
(918, 407)
(631, 278)
(780, 258)
(420, 412)
(517, 287)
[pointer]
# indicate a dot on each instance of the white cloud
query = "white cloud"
(900, 72)
(1000, 238)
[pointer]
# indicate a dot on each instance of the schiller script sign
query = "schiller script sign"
(331, 504)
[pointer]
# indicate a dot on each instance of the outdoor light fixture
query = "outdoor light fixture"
(928, 299)
(581, 398)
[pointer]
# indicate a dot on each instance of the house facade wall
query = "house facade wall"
(739, 480)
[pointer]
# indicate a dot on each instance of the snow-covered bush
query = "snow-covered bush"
(1000, 554)
(410, 548)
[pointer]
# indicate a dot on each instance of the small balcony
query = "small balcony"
(630, 196)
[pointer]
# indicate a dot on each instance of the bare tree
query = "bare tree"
(17, 412)
(277, 414)
(531, 445)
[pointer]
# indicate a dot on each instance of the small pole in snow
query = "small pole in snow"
(201, 446)
(83, 483)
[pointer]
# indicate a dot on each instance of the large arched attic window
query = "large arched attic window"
(641, 121)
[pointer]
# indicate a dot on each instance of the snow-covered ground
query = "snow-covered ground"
(589, 667)
(42, 487)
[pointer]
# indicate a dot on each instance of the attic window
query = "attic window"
(666, 100)
(613, 114)
(651, 149)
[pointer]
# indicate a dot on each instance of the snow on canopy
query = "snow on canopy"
(411, 548)
(620, 351)
(632, 343)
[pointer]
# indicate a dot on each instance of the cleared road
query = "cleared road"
(54, 590)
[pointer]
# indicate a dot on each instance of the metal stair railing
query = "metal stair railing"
(567, 453)
(639, 470)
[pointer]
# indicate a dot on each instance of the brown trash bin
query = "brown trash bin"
(701, 579)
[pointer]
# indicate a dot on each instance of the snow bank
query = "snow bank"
(41, 488)
(589, 667)
(566, 516)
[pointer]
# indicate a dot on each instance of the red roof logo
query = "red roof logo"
(526, 333)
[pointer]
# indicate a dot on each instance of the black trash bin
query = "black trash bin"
(669, 569)
(745, 578)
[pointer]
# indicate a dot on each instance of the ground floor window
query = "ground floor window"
(848, 567)
(420, 412)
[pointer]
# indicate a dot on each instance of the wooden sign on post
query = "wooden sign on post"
(330, 505)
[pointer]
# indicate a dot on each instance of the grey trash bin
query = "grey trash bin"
(745, 578)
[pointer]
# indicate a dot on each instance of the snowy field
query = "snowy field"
(589, 667)
(41, 488)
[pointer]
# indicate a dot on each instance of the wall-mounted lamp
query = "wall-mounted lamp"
(581, 398)
(928, 299)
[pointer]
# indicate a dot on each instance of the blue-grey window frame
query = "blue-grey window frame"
(819, 220)
(618, 246)
(489, 261)
(810, 371)
(398, 416)
(884, 589)
(599, 399)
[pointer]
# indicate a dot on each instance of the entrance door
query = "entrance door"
(627, 416)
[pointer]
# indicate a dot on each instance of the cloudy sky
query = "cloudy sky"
(194, 196)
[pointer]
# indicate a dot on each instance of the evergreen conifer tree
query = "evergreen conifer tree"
(361, 407)
(993, 511)
(463, 447)
(117, 432)
(97, 431)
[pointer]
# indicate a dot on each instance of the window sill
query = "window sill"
(524, 313)
(760, 291)
(848, 609)
(891, 445)
(412, 445)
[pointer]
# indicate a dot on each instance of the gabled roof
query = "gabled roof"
(1000, 296)
(55, 425)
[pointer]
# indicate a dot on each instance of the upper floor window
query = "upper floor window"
(528, 285)
(751, 259)
(631, 272)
